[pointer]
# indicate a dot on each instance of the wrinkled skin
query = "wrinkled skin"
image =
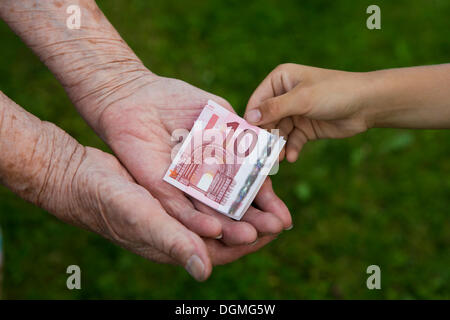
(91, 189)
(105, 199)
(137, 123)
(135, 112)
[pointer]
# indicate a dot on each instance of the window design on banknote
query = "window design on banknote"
(210, 168)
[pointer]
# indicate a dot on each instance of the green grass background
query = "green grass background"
(379, 198)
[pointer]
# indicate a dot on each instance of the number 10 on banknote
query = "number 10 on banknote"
(224, 160)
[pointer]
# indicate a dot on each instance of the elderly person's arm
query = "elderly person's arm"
(89, 188)
(134, 111)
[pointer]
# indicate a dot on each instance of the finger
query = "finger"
(268, 201)
(270, 126)
(272, 86)
(263, 92)
(283, 131)
(234, 232)
(149, 173)
(274, 109)
(182, 209)
(264, 222)
(222, 254)
(146, 226)
(295, 144)
(282, 154)
(280, 81)
(285, 126)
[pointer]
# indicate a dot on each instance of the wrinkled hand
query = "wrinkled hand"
(91, 189)
(135, 112)
(307, 103)
(104, 198)
(138, 122)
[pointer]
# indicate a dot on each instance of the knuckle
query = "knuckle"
(273, 108)
(131, 221)
(179, 248)
(306, 96)
(277, 226)
(267, 185)
(283, 66)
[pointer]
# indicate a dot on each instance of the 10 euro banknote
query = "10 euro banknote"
(224, 160)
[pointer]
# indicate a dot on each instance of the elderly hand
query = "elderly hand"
(138, 123)
(91, 189)
(135, 112)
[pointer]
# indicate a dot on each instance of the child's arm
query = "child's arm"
(308, 103)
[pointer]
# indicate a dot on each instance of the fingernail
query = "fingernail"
(219, 237)
(254, 242)
(253, 115)
(195, 267)
(289, 228)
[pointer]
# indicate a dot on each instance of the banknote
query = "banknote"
(224, 160)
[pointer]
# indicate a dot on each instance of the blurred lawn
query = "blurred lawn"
(380, 198)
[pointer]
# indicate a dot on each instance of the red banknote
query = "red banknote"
(224, 160)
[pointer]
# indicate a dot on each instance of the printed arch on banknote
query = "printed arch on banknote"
(207, 170)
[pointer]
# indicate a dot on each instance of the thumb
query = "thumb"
(176, 241)
(139, 223)
(275, 109)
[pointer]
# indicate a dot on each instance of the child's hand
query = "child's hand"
(307, 103)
